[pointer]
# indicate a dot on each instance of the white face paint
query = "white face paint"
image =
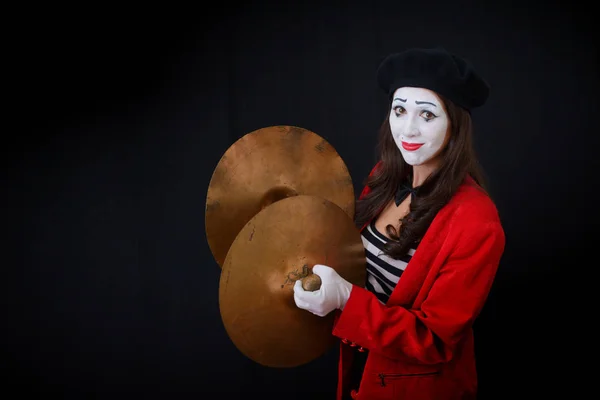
(418, 123)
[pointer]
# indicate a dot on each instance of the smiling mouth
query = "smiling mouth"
(411, 146)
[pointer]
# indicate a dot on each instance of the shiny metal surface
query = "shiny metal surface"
(265, 166)
(277, 246)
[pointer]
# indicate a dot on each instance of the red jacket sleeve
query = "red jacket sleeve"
(429, 334)
(367, 189)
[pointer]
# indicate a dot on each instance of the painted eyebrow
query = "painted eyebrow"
(416, 102)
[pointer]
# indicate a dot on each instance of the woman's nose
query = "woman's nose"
(412, 130)
(413, 126)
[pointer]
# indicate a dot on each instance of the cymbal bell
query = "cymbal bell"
(265, 166)
(278, 246)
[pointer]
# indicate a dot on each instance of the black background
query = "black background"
(127, 112)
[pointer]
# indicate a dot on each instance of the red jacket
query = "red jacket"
(420, 345)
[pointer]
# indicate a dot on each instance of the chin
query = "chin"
(413, 162)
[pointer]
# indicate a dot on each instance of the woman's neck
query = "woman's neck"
(421, 172)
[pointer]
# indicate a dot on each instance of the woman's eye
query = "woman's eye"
(398, 110)
(429, 115)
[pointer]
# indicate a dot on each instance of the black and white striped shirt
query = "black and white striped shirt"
(383, 272)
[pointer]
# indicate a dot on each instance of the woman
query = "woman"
(433, 240)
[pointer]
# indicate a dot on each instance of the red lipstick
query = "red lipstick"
(411, 146)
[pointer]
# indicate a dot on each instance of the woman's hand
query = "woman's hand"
(333, 293)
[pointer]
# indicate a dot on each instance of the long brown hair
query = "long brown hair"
(457, 161)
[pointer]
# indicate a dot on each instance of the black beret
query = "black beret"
(435, 69)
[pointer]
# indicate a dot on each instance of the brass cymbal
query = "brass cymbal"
(265, 166)
(276, 247)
